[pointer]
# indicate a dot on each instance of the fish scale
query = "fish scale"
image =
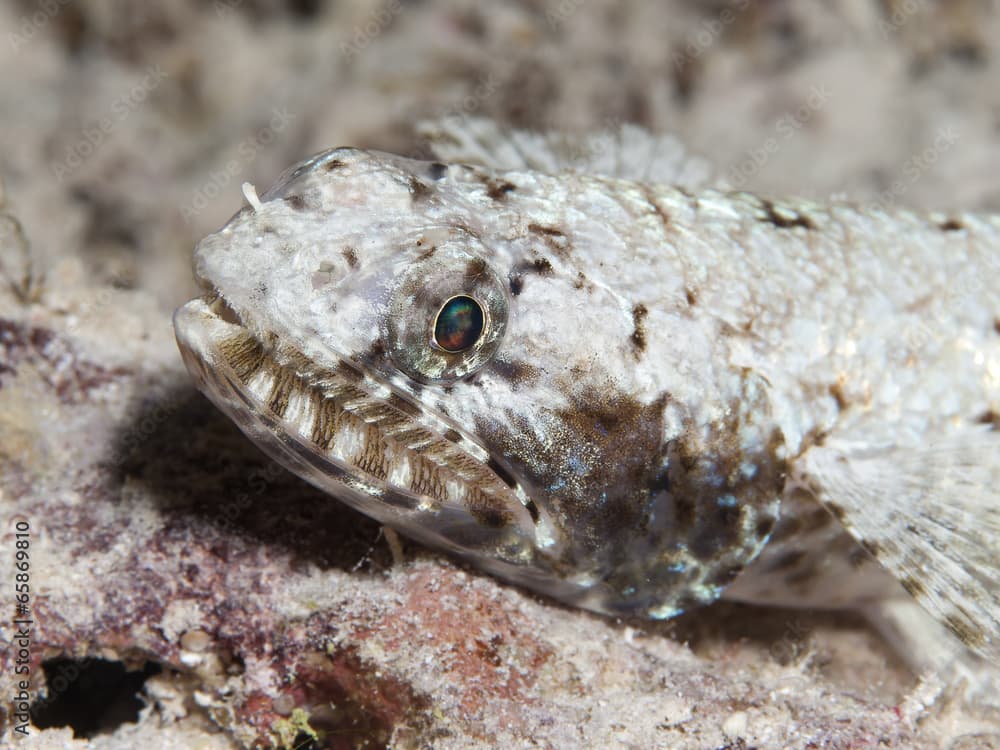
(669, 392)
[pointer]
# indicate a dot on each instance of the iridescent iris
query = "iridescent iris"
(459, 324)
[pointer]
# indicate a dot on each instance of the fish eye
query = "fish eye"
(459, 324)
(447, 313)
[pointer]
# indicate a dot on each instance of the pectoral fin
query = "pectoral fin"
(930, 514)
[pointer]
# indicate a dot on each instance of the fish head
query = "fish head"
(462, 355)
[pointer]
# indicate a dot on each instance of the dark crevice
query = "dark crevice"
(91, 696)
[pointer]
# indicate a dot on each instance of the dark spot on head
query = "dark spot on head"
(436, 170)
(951, 225)
(334, 164)
(990, 417)
(548, 231)
(501, 472)
(837, 391)
(540, 266)
(580, 281)
(475, 269)
(783, 221)
(555, 238)
(351, 256)
(690, 296)
(295, 201)
(639, 313)
(419, 190)
(497, 189)
(515, 372)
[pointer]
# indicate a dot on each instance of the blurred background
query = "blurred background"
(126, 128)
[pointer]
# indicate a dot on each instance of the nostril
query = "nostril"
(221, 308)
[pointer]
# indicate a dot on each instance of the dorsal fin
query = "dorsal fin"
(625, 151)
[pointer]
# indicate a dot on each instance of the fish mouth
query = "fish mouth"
(358, 437)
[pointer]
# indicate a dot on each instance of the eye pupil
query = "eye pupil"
(459, 324)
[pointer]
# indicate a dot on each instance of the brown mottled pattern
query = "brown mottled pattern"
(655, 205)
(282, 388)
(964, 625)
(639, 313)
(379, 423)
(683, 541)
(244, 354)
(372, 455)
(553, 237)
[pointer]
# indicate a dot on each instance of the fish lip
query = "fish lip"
(201, 326)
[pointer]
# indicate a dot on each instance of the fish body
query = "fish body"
(627, 395)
